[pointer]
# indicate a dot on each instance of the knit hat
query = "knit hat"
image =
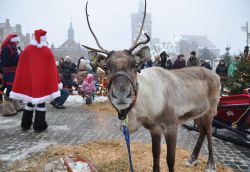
(67, 58)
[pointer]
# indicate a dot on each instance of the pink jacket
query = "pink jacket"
(88, 85)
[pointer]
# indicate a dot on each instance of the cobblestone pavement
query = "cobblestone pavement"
(75, 125)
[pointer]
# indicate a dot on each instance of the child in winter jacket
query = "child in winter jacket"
(88, 88)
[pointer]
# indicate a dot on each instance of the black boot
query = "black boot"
(40, 123)
(27, 119)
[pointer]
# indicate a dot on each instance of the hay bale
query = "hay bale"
(104, 107)
(111, 156)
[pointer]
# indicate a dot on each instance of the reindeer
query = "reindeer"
(161, 100)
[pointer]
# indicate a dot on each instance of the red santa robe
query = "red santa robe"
(37, 79)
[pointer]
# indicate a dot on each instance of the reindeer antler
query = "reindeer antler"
(102, 50)
(135, 44)
(140, 43)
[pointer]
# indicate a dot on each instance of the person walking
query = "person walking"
(59, 101)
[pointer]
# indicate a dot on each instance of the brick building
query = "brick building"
(6, 29)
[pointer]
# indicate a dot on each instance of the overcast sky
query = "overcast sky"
(220, 20)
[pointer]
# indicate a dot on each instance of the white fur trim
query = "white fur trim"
(15, 39)
(60, 85)
(28, 108)
(40, 109)
(33, 100)
(42, 43)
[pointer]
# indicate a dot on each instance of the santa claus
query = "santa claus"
(8, 63)
(36, 81)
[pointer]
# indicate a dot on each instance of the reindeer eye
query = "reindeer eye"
(107, 70)
(136, 65)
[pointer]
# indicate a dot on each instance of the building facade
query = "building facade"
(69, 48)
(197, 43)
(6, 29)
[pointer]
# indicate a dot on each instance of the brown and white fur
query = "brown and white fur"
(165, 99)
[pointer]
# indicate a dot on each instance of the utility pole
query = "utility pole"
(247, 32)
(245, 29)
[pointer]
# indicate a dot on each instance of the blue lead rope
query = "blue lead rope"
(125, 131)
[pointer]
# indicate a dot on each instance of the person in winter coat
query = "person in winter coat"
(165, 61)
(193, 60)
(157, 61)
(9, 61)
(84, 68)
(180, 62)
(67, 69)
(59, 65)
(205, 64)
(221, 70)
(88, 88)
(37, 81)
(59, 101)
(147, 64)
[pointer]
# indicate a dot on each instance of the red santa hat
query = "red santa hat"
(10, 38)
(39, 38)
(38, 34)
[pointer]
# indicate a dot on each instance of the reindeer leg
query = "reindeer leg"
(171, 139)
(210, 163)
(192, 160)
(156, 150)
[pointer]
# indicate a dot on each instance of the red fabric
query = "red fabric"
(38, 34)
(36, 75)
(235, 99)
(8, 39)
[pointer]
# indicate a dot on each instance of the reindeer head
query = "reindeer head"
(121, 68)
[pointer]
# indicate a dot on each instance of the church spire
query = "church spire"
(71, 32)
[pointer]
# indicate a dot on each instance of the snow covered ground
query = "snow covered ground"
(76, 100)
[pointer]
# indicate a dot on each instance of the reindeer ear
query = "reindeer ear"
(101, 61)
(142, 55)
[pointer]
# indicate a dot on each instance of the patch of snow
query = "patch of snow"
(9, 123)
(20, 154)
(79, 166)
(59, 127)
(100, 98)
(76, 99)
(4, 120)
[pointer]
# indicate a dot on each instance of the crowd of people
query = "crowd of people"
(24, 76)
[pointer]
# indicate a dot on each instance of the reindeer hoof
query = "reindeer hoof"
(190, 163)
(211, 167)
